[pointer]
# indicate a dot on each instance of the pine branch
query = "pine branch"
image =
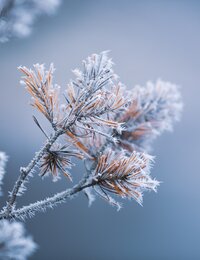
(102, 127)
(95, 112)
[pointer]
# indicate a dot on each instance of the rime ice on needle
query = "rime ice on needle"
(57, 160)
(95, 93)
(154, 109)
(125, 176)
(99, 125)
(97, 115)
(96, 96)
(45, 95)
(14, 244)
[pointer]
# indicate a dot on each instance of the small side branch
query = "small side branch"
(29, 211)
(25, 171)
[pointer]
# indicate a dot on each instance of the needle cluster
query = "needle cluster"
(100, 122)
(97, 121)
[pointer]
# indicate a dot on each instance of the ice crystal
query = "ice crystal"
(90, 196)
(57, 160)
(45, 95)
(125, 176)
(154, 109)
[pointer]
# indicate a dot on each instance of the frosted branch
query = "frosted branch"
(25, 171)
(102, 127)
(51, 202)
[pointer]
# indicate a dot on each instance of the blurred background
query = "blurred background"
(148, 40)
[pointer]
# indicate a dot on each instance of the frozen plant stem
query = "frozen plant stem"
(29, 211)
(25, 171)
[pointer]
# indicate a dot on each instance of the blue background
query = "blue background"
(148, 40)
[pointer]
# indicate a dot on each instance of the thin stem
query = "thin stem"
(28, 211)
(109, 137)
(25, 171)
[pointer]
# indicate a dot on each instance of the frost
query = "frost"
(101, 124)
(154, 109)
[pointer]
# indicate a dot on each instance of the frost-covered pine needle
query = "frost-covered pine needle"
(100, 122)
(154, 109)
(125, 176)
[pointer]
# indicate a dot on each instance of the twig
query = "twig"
(28, 211)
